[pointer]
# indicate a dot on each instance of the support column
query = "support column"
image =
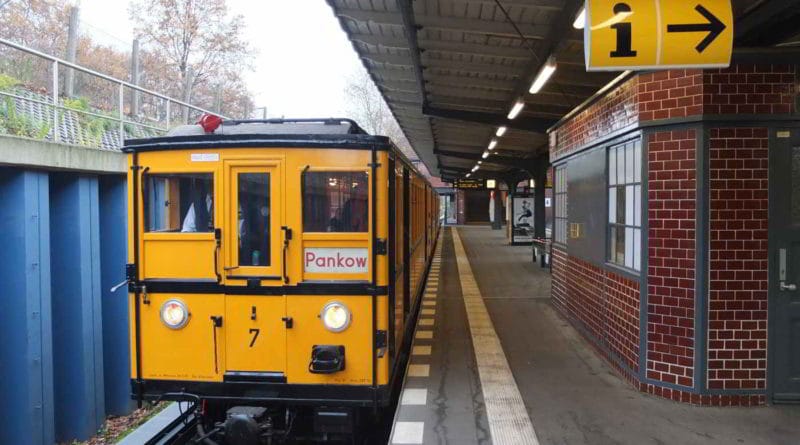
(539, 220)
(72, 50)
(26, 365)
(77, 308)
(113, 256)
(135, 78)
(497, 224)
(187, 93)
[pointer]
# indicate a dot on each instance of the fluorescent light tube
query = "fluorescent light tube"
(580, 20)
(516, 109)
(544, 75)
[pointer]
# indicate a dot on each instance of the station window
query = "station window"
(335, 202)
(179, 202)
(625, 204)
(560, 194)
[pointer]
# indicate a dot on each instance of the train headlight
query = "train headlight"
(335, 316)
(174, 314)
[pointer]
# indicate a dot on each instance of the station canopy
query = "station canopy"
(452, 70)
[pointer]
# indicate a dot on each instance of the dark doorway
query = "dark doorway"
(477, 206)
(784, 269)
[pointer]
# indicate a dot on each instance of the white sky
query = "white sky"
(303, 57)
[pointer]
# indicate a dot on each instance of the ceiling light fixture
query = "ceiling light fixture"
(485, 154)
(544, 75)
(580, 20)
(501, 131)
(516, 109)
(492, 144)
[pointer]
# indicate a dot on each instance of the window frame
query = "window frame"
(637, 207)
(560, 191)
(327, 235)
(146, 233)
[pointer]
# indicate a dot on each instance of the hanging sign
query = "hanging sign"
(468, 184)
(657, 34)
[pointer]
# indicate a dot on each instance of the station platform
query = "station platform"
(493, 362)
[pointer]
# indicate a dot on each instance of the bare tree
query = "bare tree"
(197, 34)
(366, 106)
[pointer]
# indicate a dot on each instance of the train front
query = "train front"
(258, 275)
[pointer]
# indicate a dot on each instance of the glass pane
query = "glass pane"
(637, 207)
(629, 247)
(629, 196)
(335, 202)
(612, 205)
(637, 249)
(179, 203)
(619, 245)
(612, 248)
(621, 207)
(629, 163)
(254, 219)
(612, 166)
(637, 161)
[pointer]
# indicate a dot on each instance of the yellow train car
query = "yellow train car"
(275, 269)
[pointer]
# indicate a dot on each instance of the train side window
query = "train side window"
(179, 202)
(335, 202)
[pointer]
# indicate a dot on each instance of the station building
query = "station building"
(677, 195)
(673, 190)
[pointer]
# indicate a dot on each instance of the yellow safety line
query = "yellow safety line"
(508, 419)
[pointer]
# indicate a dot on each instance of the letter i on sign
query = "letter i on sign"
(624, 32)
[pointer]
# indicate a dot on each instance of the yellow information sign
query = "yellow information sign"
(653, 34)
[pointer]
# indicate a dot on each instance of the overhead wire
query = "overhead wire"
(530, 48)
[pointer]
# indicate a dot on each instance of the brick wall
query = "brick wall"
(670, 94)
(737, 316)
(615, 111)
(671, 257)
(749, 89)
(605, 305)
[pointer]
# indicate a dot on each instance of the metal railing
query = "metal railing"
(120, 86)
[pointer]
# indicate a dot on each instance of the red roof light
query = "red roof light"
(209, 122)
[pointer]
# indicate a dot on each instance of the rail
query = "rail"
(118, 117)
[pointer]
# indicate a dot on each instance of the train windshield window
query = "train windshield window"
(254, 219)
(335, 202)
(179, 202)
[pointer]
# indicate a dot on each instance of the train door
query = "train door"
(254, 258)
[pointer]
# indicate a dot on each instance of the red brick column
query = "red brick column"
(671, 257)
(737, 309)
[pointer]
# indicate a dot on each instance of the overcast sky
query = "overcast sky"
(303, 57)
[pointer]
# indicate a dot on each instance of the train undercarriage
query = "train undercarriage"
(227, 423)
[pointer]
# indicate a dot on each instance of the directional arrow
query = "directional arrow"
(714, 27)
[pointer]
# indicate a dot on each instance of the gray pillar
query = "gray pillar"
(187, 93)
(218, 99)
(539, 220)
(498, 209)
(135, 78)
(72, 51)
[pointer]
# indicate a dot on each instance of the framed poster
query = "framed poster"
(522, 219)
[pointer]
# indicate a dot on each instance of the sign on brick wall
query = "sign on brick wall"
(652, 34)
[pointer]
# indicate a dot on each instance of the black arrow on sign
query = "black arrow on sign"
(714, 27)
